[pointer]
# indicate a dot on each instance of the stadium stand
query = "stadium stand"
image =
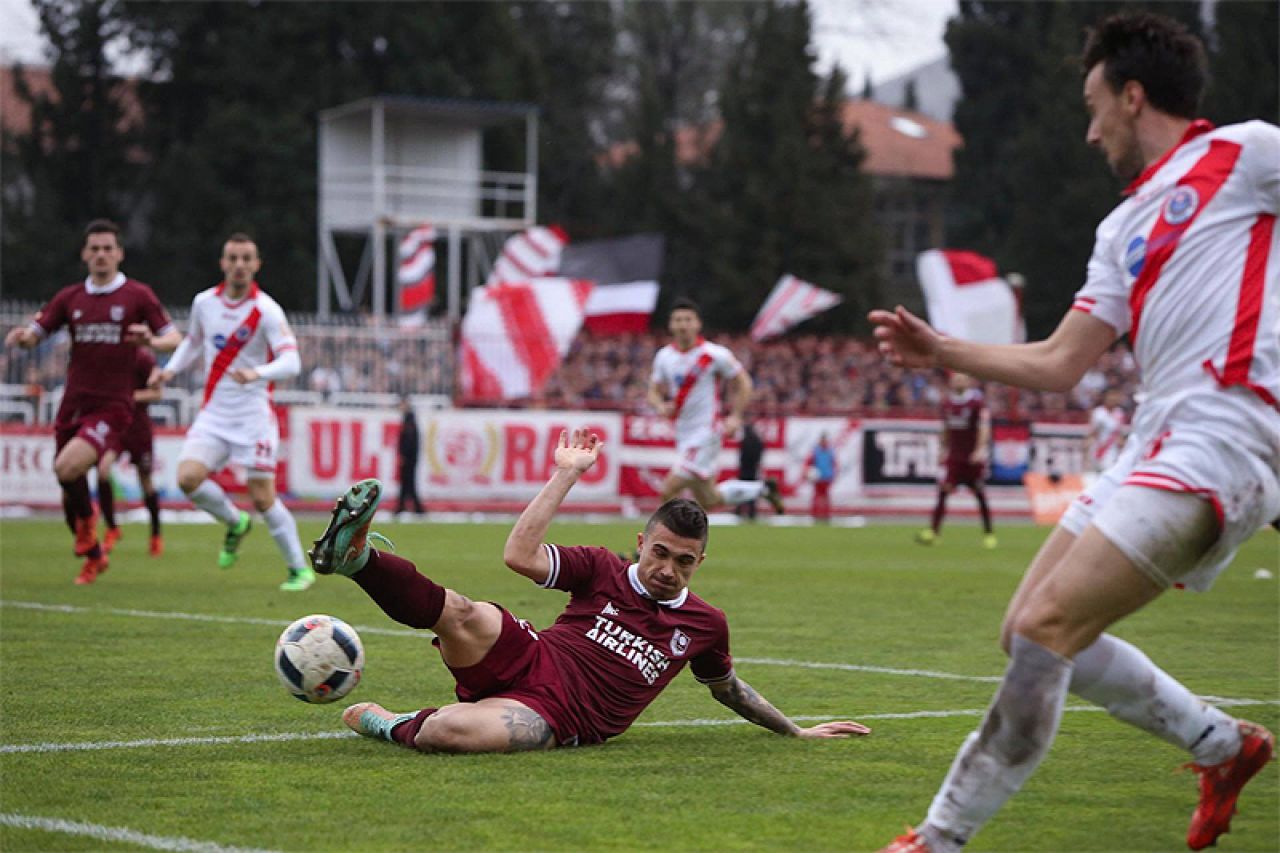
(353, 363)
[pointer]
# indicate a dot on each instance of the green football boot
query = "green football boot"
(231, 542)
(344, 545)
(298, 580)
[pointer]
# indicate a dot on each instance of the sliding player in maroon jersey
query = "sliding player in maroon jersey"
(626, 632)
(108, 316)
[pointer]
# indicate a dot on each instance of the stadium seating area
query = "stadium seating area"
(805, 374)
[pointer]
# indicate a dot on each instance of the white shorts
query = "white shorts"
(250, 444)
(1232, 473)
(698, 455)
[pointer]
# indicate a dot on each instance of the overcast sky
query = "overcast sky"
(882, 37)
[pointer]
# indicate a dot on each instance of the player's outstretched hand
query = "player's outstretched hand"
(579, 452)
(905, 339)
(20, 336)
(244, 375)
(837, 728)
(158, 377)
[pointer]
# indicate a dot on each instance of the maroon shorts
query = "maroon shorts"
(138, 442)
(103, 425)
(964, 473)
(520, 667)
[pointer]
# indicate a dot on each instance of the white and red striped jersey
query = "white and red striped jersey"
(691, 380)
(248, 333)
(1189, 266)
(1108, 428)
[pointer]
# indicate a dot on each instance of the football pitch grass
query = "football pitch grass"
(143, 711)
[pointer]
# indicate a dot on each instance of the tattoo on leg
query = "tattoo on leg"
(526, 729)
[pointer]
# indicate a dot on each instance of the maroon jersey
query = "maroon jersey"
(144, 363)
(961, 415)
(616, 648)
(102, 363)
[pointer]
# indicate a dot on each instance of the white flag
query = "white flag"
(967, 298)
(790, 302)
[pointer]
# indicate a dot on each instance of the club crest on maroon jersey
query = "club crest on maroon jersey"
(679, 642)
(117, 313)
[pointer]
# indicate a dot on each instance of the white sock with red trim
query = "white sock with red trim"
(284, 529)
(210, 497)
(734, 492)
(1124, 681)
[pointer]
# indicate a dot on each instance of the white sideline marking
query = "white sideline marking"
(654, 724)
(405, 632)
(120, 834)
(176, 741)
(199, 617)
(884, 670)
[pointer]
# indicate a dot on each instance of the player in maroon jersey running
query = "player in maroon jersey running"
(108, 316)
(626, 632)
(966, 437)
(138, 441)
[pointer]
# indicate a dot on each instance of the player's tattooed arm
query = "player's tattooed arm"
(527, 730)
(743, 700)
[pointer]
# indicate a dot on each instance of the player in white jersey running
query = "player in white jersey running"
(1108, 429)
(1189, 267)
(685, 386)
(246, 343)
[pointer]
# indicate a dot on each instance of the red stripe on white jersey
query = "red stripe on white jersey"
(235, 343)
(1244, 334)
(1206, 177)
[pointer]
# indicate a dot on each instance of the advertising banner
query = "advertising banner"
(466, 455)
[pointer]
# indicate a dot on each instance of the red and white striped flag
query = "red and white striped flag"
(515, 334)
(416, 275)
(790, 302)
(967, 298)
(617, 308)
(532, 253)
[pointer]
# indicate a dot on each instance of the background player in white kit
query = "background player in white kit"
(1108, 429)
(246, 343)
(685, 386)
(1188, 265)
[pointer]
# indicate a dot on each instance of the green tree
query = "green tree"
(80, 160)
(783, 192)
(1245, 81)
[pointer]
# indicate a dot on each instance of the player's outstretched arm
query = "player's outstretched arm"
(1054, 364)
(743, 700)
(21, 336)
(524, 552)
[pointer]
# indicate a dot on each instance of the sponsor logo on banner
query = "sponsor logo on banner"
(466, 454)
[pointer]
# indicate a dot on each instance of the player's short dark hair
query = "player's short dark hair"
(1158, 52)
(239, 237)
(682, 517)
(102, 226)
(684, 303)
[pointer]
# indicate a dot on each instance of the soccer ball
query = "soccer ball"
(319, 659)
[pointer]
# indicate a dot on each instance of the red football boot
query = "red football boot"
(110, 539)
(1220, 785)
(156, 548)
(86, 534)
(90, 571)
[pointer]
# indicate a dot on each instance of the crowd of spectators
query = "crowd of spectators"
(810, 374)
(802, 374)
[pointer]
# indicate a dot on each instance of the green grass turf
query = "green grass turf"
(866, 597)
